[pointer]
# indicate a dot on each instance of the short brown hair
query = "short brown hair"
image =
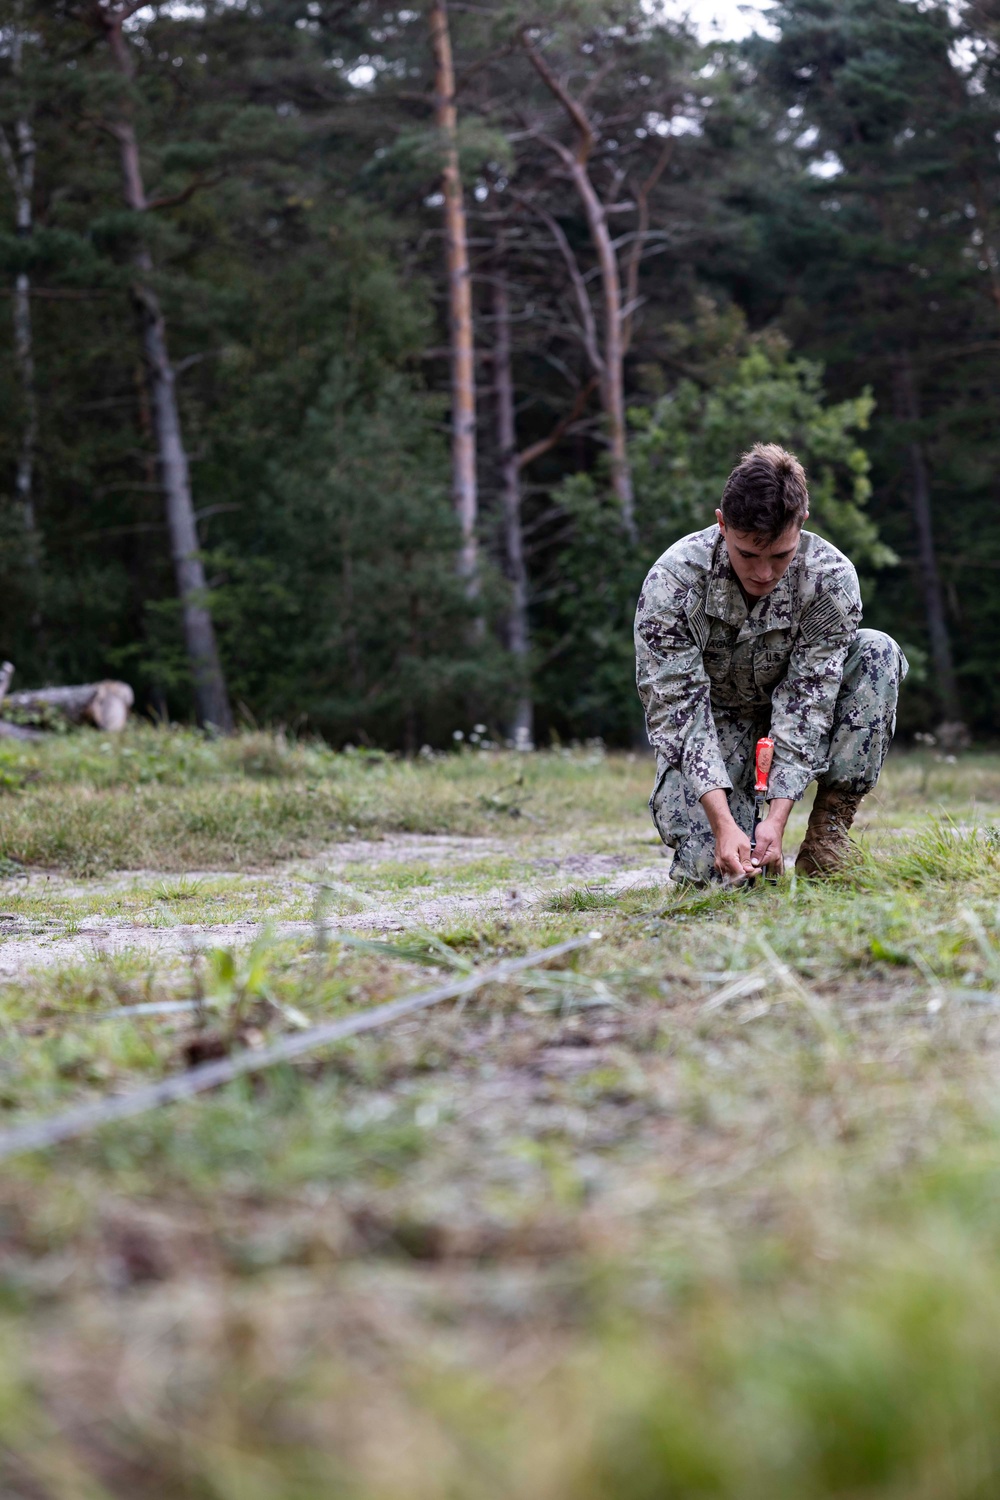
(766, 492)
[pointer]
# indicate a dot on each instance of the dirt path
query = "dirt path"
(550, 865)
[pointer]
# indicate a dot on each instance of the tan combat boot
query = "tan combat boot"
(826, 847)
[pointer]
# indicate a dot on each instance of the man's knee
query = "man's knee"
(864, 720)
(875, 658)
(671, 807)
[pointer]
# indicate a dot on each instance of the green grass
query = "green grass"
(709, 1210)
(174, 800)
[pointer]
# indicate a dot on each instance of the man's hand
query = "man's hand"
(732, 853)
(732, 847)
(770, 831)
(767, 849)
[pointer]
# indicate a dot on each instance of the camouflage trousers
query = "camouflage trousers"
(851, 757)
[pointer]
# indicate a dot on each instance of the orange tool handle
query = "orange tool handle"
(765, 755)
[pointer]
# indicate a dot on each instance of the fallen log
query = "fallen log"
(13, 731)
(18, 732)
(103, 704)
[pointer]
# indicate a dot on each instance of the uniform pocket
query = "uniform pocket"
(771, 658)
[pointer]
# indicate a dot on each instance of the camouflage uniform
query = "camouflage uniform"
(714, 676)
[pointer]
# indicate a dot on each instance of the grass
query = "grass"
(172, 800)
(710, 1210)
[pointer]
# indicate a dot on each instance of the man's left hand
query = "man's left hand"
(767, 849)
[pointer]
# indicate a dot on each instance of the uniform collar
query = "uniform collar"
(725, 601)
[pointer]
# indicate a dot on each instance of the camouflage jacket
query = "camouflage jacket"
(700, 652)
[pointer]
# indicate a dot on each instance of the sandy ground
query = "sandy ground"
(555, 866)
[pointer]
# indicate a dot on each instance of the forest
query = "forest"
(357, 361)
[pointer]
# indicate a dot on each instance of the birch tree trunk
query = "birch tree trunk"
(211, 696)
(521, 729)
(610, 367)
(463, 378)
(907, 402)
(19, 161)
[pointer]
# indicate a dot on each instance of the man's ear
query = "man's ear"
(722, 524)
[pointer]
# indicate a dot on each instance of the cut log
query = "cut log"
(13, 731)
(104, 704)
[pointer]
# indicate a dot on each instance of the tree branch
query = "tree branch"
(546, 444)
(575, 110)
(171, 200)
(109, 16)
(632, 266)
(464, 76)
(596, 79)
(564, 154)
(123, 12)
(579, 285)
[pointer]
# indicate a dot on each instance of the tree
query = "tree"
(211, 696)
(907, 410)
(364, 630)
(685, 445)
(592, 127)
(460, 332)
(295, 149)
(513, 461)
(17, 151)
(742, 387)
(895, 246)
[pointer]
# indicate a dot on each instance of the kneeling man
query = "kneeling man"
(748, 628)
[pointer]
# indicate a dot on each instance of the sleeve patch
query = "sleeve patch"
(698, 620)
(825, 622)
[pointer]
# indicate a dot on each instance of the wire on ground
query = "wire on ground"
(36, 1135)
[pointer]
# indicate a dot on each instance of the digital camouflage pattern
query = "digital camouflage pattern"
(714, 676)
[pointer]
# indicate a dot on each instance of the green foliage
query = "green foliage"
(891, 252)
(587, 676)
(366, 630)
(685, 446)
(818, 211)
(682, 449)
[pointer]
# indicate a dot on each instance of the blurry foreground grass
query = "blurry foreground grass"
(712, 1211)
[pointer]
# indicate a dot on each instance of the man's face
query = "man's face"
(759, 566)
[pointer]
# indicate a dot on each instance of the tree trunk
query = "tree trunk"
(463, 379)
(521, 729)
(19, 160)
(24, 483)
(211, 696)
(613, 376)
(610, 363)
(907, 402)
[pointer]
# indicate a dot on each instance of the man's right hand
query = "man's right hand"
(732, 853)
(732, 847)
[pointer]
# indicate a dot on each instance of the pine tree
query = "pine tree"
(895, 252)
